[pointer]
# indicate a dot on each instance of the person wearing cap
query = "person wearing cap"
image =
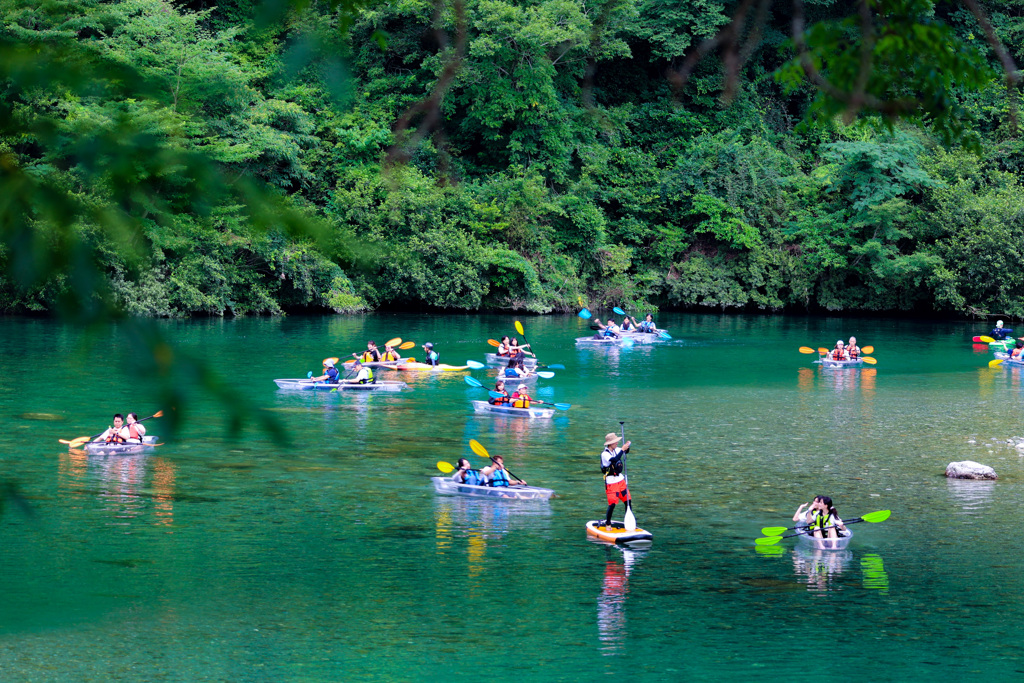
(521, 399)
(364, 374)
(371, 355)
(330, 375)
(613, 468)
(431, 354)
(999, 332)
(838, 353)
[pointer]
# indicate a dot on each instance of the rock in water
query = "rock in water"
(968, 469)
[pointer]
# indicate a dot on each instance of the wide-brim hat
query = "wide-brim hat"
(329, 363)
(611, 438)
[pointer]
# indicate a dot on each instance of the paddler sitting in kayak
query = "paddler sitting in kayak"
(516, 368)
(499, 387)
(495, 474)
(503, 347)
(852, 350)
(371, 355)
(821, 518)
(838, 353)
(1018, 351)
(390, 354)
(330, 375)
(116, 434)
(136, 430)
(521, 399)
(647, 325)
(609, 330)
(612, 467)
(514, 349)
(432, 356)
(999, 333)
(364, 375)
(466, 475)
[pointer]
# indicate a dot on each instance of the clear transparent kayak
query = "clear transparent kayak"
(104, 448)
(603, 341)
(377, 363)
(1005, 357)
(618, 534)
(495, 359)
(526, 379)
(485, 407)
(840, 543)
(826, 363)
(446, 486)
(306, 385)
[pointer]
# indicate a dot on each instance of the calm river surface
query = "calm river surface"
(240, 560)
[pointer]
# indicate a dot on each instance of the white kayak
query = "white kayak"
(828, 363)
(307, 385)
(446, 486)
(105, 448)
(840, 543)
(485, 407)
(495, 359)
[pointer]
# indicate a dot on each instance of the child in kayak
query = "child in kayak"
(521, 399)
(821, 518)
(612, 467)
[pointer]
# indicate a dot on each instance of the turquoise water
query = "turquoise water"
(241, 560)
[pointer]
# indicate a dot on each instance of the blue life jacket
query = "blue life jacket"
(500, 478)
(646, 326)
(332, 375)
(472, 477)
(1001, 333)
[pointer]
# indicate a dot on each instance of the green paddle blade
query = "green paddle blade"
(875, 517)
(774, 530)
(768, 540)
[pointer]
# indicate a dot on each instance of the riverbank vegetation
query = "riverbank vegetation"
(183, 158)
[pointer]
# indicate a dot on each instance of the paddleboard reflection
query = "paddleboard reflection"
(611, 603)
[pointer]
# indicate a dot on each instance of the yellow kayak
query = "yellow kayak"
(423, 367)
(618, 534)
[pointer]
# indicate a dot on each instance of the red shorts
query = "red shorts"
(617, 492)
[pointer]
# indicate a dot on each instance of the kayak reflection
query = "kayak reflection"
(119, 483)
(611, 604)
(820, 568)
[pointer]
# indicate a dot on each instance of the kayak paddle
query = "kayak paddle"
(869, 360)
(473, 382)
(475, 365)
(996, 363)
(494, 342)
(445, 467)
(618, 311)
(876, 517)
(985, 339)
(873, 517)
(806, 349)
(868, 350)
(822, 350)
(545, 374)
(75, 443)
(478, 448)
(585, 314)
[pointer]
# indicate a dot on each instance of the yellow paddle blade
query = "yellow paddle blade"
(75, 443)
(407, 345)
(995, 363)
(987, 340)
(806, 349)
(822, 350)
(519, 328)
(868, 350)
(869, 360)
(479, 449)
(393, 342)
(493, 342)
(332, 359)
(445, 467)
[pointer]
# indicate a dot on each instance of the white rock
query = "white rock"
(968, 469)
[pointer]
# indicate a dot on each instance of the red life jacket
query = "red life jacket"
(854, 351)
(837, 354)
(133, 431)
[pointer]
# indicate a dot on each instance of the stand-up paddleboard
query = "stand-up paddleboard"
(618, 534)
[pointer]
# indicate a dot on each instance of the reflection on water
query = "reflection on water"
(611, 603)
(820, 569)
(873, 570)
(480, 522)
(973, 496)
(122, 479)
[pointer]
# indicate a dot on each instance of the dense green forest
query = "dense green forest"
(217, 158)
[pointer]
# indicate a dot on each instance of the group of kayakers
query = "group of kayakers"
(124, 430)
(629, 325)
(820, 518)
(494, 474)
(848, 351)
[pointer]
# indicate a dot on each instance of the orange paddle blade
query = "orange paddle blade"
(332, 359)
(822, 350)
(868, 349)
(393, 342)
(407, 345)
(158, 413)
(493, 342)
(806, 349)
(869, 360)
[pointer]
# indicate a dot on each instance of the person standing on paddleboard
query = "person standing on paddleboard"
(612, 467)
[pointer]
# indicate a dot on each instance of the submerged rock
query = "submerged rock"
(968, 469)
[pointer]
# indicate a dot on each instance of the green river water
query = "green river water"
(240, 560)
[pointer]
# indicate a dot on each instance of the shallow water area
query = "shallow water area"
(222, 559)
